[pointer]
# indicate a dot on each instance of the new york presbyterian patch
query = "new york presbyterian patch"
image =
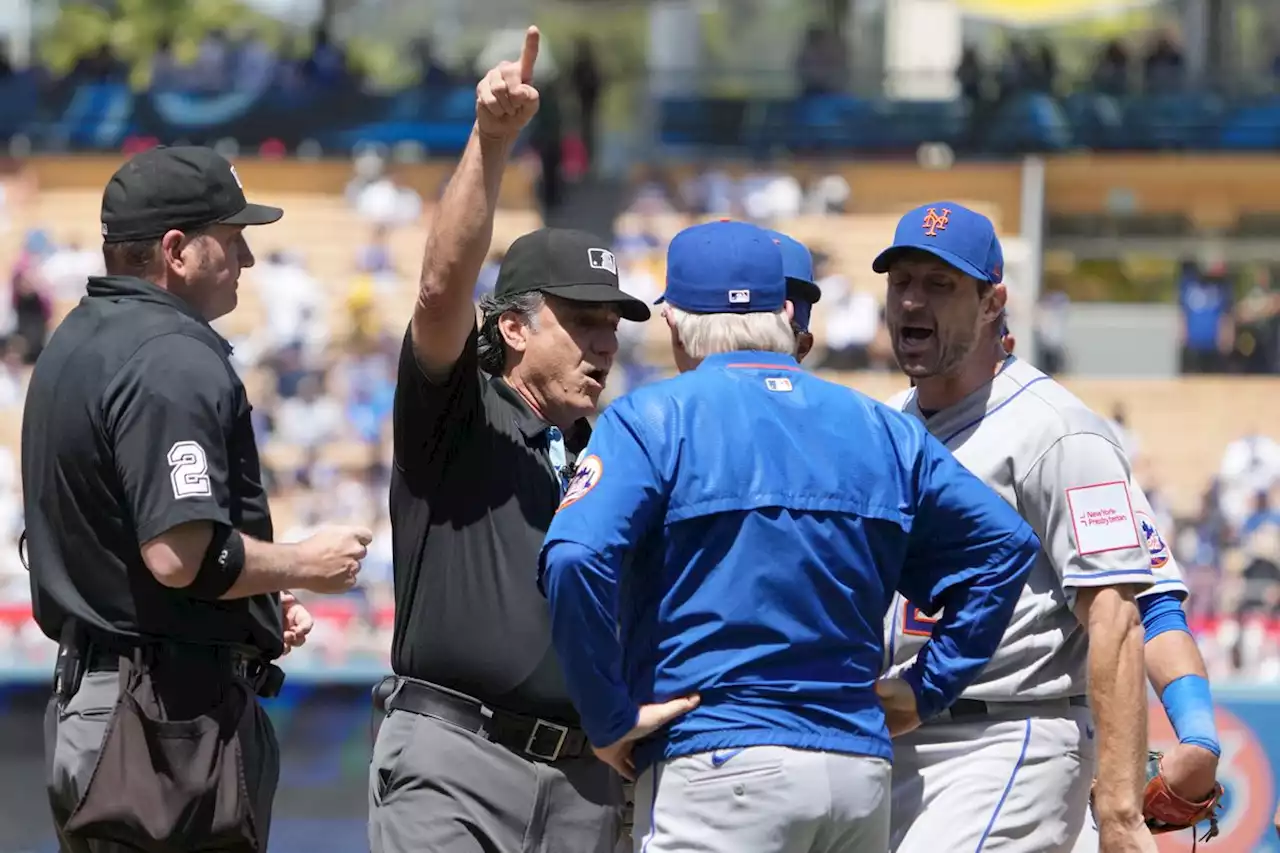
(588, 473)
(1102, 516)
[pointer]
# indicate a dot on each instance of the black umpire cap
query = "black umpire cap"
(569, 264)
(183, 188)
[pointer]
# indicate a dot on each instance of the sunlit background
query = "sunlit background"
(1129, 153)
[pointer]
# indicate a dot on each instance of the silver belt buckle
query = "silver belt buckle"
(561, 732)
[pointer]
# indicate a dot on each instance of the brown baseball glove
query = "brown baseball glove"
(1165, 811)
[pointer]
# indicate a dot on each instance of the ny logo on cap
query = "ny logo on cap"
(602, 259)
(933, 222)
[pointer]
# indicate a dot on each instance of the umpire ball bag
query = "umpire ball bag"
(162, 785)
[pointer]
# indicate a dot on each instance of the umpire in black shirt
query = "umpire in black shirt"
(149, 535)
(481, 749)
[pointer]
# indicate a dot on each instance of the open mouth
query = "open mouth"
(598, 375)
(915, 337)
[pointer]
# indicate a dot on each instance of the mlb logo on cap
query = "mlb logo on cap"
(725, 267)
(602, 259)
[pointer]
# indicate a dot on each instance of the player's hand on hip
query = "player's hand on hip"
(331, 557)
(649, 719)
(297, 621)
(899, 702)
(1191, 771)
(505, 97)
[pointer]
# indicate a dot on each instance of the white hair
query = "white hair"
(702, 335)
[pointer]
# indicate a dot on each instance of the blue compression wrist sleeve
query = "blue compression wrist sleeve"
(1189, 705)
(1187, 700)
(1161, 612)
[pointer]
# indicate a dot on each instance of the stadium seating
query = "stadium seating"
(1164, 412)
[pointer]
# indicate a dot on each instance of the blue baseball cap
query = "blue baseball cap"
(797, 266)
(963, 238)
(725, 267)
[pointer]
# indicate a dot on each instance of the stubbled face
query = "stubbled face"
(934, 313)
(567, 356)
(211, 262)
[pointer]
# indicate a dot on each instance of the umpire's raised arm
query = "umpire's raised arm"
(488, 422)
(969, 555)
(462, 228)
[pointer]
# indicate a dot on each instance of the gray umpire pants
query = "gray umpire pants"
(434, 786)
(764, 799)
(73, 739)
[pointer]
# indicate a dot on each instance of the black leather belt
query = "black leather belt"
(529, 737)
(265, 678)
(967, 709)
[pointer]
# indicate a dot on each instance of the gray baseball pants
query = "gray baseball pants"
(764, 799)
(434, 786)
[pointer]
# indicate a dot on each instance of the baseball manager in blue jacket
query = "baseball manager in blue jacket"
(721, 565)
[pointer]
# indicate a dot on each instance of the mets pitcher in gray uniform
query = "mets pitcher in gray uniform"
(1010, 766)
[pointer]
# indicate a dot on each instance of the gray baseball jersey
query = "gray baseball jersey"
(1061, 466)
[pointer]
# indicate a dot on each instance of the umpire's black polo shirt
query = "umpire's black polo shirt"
(136, 422)
(473, 491)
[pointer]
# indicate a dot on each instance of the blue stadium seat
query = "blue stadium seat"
(1031, 122)
(909, 124)
(1252, 127)
(701, 121)
(827, 122)
(1096, 121)
(455, 104)
(440, 137)
(439, 120)
(1173, 121)
(819, 123)
(19, 102)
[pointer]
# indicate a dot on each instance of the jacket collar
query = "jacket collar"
(750, 360)
(124, 288)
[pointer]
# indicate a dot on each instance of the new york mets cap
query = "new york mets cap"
(797, 266)
(725, 267)
(183, 187)
(961, 237)
(567, 263)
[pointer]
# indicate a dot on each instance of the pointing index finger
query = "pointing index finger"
(529, 54)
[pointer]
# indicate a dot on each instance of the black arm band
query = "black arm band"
(223, 563)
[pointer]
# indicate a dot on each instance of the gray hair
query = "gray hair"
(491, 349)
(702, 335)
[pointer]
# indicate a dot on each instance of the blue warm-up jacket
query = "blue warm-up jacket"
(738, 531)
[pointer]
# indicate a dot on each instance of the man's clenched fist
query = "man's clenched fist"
(331, 557)
(505, 97)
